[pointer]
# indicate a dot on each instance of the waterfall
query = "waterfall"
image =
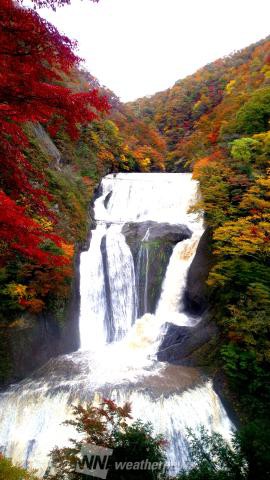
(117, 355)
(108, 292)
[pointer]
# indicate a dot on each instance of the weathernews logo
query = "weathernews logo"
(94, 463)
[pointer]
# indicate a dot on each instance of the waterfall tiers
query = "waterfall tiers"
(123, 321)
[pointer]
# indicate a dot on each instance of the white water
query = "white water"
(118, 351)
(106, 315)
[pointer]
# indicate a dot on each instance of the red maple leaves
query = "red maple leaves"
(21, 234)
(34, 57)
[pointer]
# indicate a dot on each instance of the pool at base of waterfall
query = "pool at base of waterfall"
(117, 358)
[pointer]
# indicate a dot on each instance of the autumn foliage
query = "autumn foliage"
(217, 123)
(34, 58)
(109, 425)
(57, 141)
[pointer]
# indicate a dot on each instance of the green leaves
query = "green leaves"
(107, 425)
(214, 459)
(254, 115)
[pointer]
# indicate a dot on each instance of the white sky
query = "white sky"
(139, 47)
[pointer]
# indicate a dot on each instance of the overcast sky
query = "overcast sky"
(139, 47)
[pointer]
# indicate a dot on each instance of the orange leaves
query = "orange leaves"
(88, 182)
(142, 158)
(142, 143)
(199, 166)
(213, 136)
(100, 422)
(68, 250)
(33, 305)
(202, 164)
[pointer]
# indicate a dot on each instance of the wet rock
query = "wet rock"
(136, 232)
(196, 294)
(151, 244)
(181, 343)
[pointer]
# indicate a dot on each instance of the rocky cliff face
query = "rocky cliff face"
(196, 295)
(184, 345)
(151, 245)
(33, 340)
(28, 341)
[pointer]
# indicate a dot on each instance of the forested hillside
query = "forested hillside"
(60, 133)
(216, 122)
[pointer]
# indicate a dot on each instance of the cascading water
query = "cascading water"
(108, 293)
(117, 357)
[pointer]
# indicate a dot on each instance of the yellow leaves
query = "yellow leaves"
(229, 87)
(243, 237)
(197, 105)
(257, 198)
(126, 148)
(124, 162)
(21, 323)
(110, 125)
(25, 297)
(46, 224)
(265, 182)
(263, 137)
(95, 138)
(142, 156)
(144, 164)
(258, 203)
(216, 278)
(17, 290)
(266, 71)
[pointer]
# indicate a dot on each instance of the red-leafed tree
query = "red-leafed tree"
(33, 54)
(34, 57)
(21, 234)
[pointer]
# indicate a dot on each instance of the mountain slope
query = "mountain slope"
(199, 110)
(216, 122)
